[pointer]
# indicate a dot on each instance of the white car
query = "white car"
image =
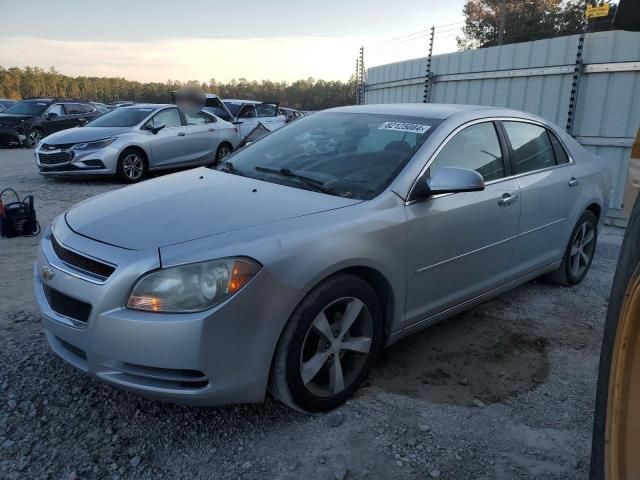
(249, 113)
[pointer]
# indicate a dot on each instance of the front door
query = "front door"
(170, 146)
(247, 119)
(550, 191)
(461, 244)
(203, 136)
(58, 119)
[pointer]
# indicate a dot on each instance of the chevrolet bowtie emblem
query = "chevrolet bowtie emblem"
(47, 272)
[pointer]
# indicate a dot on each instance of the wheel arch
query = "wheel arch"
(137, 148)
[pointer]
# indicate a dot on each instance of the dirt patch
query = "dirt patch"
(489, 364)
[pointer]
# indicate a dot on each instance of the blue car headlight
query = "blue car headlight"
(95, 145)
(193, 287)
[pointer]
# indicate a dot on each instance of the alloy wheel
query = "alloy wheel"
(582, 249)
(133, 166)
(336, 347)
(34, 137)
(223, 151)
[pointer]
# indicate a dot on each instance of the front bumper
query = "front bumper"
(74, 162)
(216, 357)
(10, 136)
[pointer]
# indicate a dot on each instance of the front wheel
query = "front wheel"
(132, 166)
(328, 346)
(34, 136)
(579, 253)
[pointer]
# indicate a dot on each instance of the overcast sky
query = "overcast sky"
(198, 40)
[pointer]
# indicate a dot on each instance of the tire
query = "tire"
(224, 149)
(34, 136)
(616, 428)
(567, 273)
(132, 166)
(292, 380)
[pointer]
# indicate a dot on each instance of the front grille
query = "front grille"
(62, 146)
(67, 306)
(54, 158)
(81, 262)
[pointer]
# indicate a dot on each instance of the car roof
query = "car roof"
(429, 110)
(147, 105)
(235, 100)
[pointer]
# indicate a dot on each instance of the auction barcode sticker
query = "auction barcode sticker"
(404, 127)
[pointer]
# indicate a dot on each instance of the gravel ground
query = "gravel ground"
(503, 391)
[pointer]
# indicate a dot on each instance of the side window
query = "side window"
(73, 109)
(56, 110)
(532, 149)
(476, 148)
(561, 153)
(169, 117)
(86, 108)
(247, 111)
(266, 110)
(195, 118)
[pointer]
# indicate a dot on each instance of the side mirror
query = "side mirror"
(153, 129)
(452, 180)
(50, 115)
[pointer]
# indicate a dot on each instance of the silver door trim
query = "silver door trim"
(425, 322)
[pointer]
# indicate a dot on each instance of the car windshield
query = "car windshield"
(353, 155)
(233, 108)
(28, 107)
(122, 117)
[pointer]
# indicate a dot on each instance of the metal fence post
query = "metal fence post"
(428, 75)
(361, 99)
(577, 73)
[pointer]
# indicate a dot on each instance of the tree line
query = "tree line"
(500, 22)
(309, 94)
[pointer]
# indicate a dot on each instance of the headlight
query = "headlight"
(193, 287)
(94, 145)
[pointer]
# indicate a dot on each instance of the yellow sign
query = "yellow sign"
(594, 11)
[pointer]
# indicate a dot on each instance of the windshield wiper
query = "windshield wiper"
(229, 168)
(311, 182)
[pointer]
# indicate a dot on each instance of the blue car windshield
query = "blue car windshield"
(122, 117)
(353, 155)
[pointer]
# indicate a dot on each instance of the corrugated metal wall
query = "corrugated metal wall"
(537, 77)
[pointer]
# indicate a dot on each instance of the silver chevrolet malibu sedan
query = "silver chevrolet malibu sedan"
(133, 140)
(289, 267)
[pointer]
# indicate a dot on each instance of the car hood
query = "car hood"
(84, 134)
(190, 205)
(13, 118)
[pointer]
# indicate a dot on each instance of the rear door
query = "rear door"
(170, 146)
(460, 245)
(203, 136)
(549, 193)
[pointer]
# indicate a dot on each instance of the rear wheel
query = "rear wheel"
(579, 253)
(328, 346)
(224, 150)
(132, 166)
(616, 430)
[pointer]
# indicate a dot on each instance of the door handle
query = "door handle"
(507, 199)
(212, 129)
(574, 182)
(181, 134)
